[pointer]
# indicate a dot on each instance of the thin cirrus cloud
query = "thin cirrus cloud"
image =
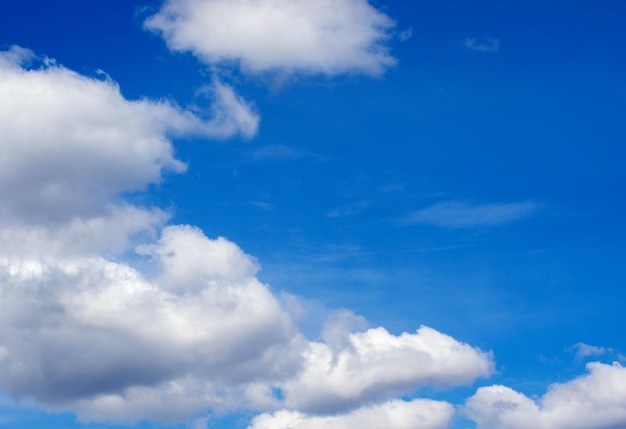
(595, 400)
(279, 152)
(293, 36)
(462, 214)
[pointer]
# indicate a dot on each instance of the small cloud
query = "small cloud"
(351, 209)
(460, 214)
(279, 152)
(393, 187)
(406, 34)
(263, 205)
(487, 46)
(584, 351)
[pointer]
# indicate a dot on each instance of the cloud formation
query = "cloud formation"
(461, 214)
(352, 368)
(70, 142)
(328, 37)
(593, 401)
(108, 311)
(396, 414)
(78, 330)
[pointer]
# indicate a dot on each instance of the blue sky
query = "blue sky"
(271, 214)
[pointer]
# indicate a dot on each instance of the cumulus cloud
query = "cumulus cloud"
(594, 401)
(352, 368)
(70, 142)
(461, 214)
(88, 331)
(323, 36)
(108, 311)
(396, 414)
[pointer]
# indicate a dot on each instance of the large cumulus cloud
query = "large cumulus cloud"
(110, 311)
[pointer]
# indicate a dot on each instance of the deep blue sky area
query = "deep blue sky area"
(475, 187)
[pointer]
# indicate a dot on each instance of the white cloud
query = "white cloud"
(460, 214)
(584, 351)
(87, 331)
(352, 368)
(110, 313)
(323, 36)
(70, 143)
(593, 401)
(110, 233)
(487, 46)
(396, 414)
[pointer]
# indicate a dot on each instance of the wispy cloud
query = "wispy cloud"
(584, 351)
(351, 209)
(279, 152)
(487, 46)
(461, 214)
(406, 34)
(263, 205)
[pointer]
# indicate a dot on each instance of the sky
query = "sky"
(255, 214)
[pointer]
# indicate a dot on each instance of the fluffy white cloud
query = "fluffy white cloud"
(88, 331)
(70, 143)
(461, 214)
(322, 36)
(593, 401)
(353, 368)
(396, 414)
(108, 312)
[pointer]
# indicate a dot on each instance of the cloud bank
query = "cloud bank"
(109, 311)
(328, 37)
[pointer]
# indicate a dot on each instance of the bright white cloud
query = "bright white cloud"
(88, 331)
(70, 143)
(323, 36)
(460, 214)
(396, 414)
(109, 313)
(593, 401)
(352, 368)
